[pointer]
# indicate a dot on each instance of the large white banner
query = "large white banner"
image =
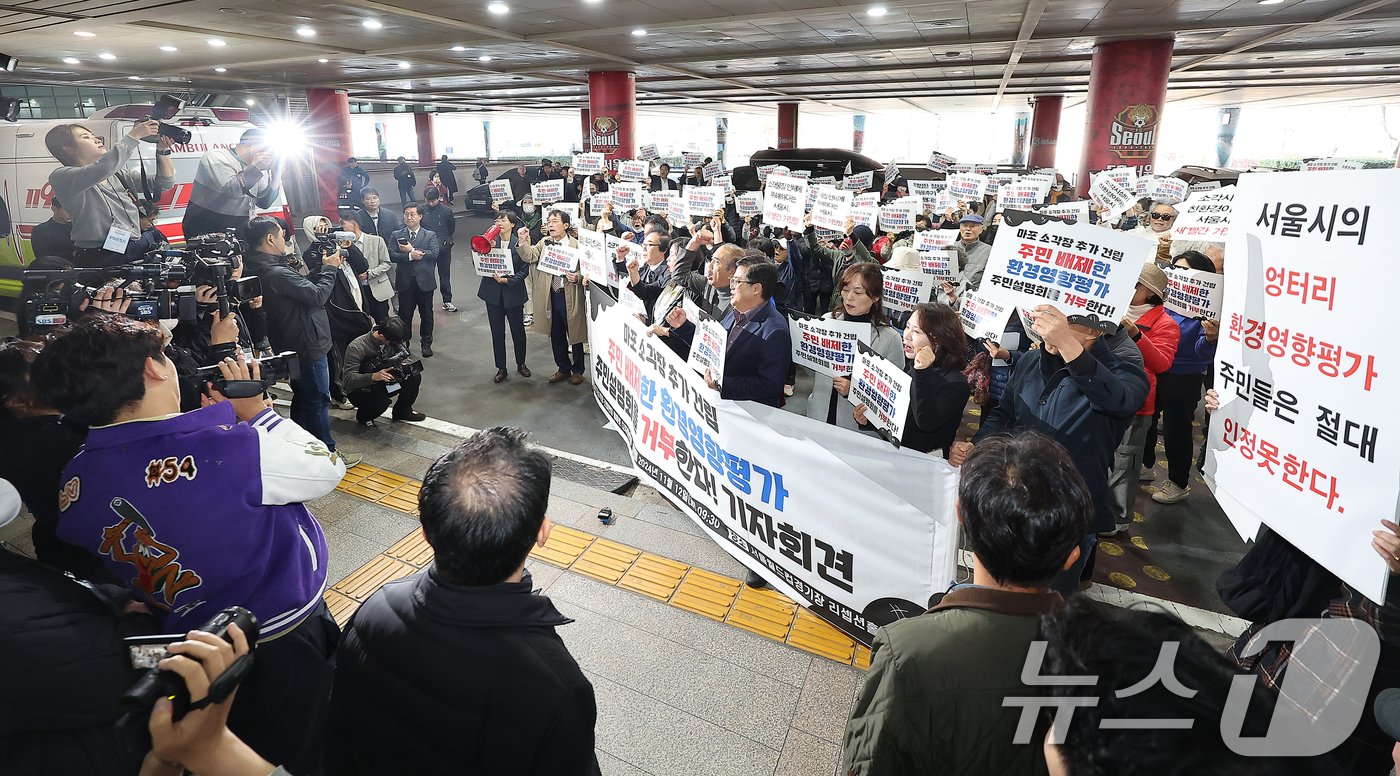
(1193, 293)
(760, 482)
(1205, 216)
(885, 391)
(907, 289)
(784, 202)
(832, 208)
(1305, 367)
(826, 345)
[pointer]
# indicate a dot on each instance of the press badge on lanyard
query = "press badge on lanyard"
(118, 239)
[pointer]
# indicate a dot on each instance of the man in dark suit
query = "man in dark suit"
(662, 180)
(374, 220)
(415, 250)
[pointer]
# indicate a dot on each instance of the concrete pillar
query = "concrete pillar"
(1225, 135)
(328, 132)
(612, 105)
(1045, 130)
(1127, 88)
(787, 125)
(587, 129)
(423, 127)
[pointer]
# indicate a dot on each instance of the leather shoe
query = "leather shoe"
(576, 379)
(523, 370)
(427, 351)
(755, 581)
(558, 377)
(412, 417)
(501, 375)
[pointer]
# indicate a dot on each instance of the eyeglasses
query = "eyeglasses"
(741, 280)
(1162, 216)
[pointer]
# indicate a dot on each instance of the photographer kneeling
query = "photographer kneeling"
(378, 368)
(202, 510)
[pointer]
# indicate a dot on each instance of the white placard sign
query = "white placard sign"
(558, 259)
(859, 181)
(891, 172)
(691, 160)
(500, 191)
(649, 152)
(569, 209)
(884, 390)
(1306, 370)
(927, 192)
(1073, 212)
(658, 201)
(967, 186)
(941, 264)
(676, 211)
(707, 348)
(827, 345)
(866, 199)
(703, 201)
(996, 181)
(1019, 196)
(1329, 164)
(1193, 293)
(984, 169)
(598, 202)
(1081, 269)
(784, 201)
(1108, 194)
(832, 208)
(630, 302)
(865, 215)
(631, 252)
(496, 262)
(1204, 186)
(1205, 215)
(983, 319)
(588, 164)
(1167, 190)
(725, 182)
(626, 195)
(714, 169)
(750, 204)
(934, 239)
(940, 162)
(594, 262)
(633, 170)
(764, 170)
(544, 192)
(898, 216)
(905, 290)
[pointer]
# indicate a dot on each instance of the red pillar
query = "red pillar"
(1127, 88)
(612, 105)
(1045, 130)
(328, 131)
(787, 125)
(585, 117)
(423, 126)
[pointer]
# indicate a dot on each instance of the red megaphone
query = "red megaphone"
(483, 243)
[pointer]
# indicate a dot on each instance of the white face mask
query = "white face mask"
(528, 208)
(1136, 311)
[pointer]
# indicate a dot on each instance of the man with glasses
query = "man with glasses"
(1157, 226)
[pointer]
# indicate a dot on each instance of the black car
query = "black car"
(478, 198)
(820, 161)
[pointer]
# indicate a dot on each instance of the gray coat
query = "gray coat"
(885, 340)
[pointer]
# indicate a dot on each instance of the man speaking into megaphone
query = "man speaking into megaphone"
(505, 293)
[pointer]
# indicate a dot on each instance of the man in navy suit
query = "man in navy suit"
(758, 352)
(415, 250)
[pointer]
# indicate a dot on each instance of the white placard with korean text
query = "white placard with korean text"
(626, 196)
(983, 319)
(940, 162)
(865, 215)
(691, 160)
(496, 262)
(1019, 196)
(933, 239)
(1108, 194)
(1193, 293)
(1330, 164)
(703, 201)
(1306, 369)
(941, 264)
(558, 259)
(714, 169)
(1205, 215)
(927, 192)
(500, 191)
(634, 170)
(967, 186)
(1167, 190)
(827, 345)
(898, 216)
(832, 208)
(707, 348)
(884, 390)
(859, 181)
(658, 201)
(676, 212)
(1073, 212)
(569, 209)
(593, 259)
(588, 164)
(784, 202)
(750, 204)
(649, 152)
(598, 202)
(906, 289)
(630, 252)
(548, 191)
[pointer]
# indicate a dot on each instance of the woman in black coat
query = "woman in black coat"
(505, 296)
(449, 177)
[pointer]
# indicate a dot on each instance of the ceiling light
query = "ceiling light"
(878, 10)
(221, 70)
(639, 32)
(306, 32)
(371, 24)
(250, 101)
(71, 61)
(168, 48)
(109, 57)
(404, 65)
(484, 58)
(959, 72)
(133, 78)
(84, 34)
(458, 48)
(323, 60)
(217, 42)
(1270, 2)
(232, 11)
(498, 8)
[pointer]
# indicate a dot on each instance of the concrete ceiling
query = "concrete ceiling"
(697, 54)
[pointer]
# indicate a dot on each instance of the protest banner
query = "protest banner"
(898, 216)
(905, 290)
(707, 348)
(799, 174)
(1073, 212)
(676, 211)
(865, 215)
(884, 390)
(725, 182)
(547, 191)
(784, 201)
(757, 480)
(1193, 293)
(825, 180)
(1079, 268)
(984, 168)
(1123, 176)
(1304, 366)
(496, 262)
(633, 170)
(714, 169)
(593, 259)
(967, 187)
(1330, 164)
(764, 170)
(500, 191)
(1108, 194)
(691, 160)
(569, 209)
(1167, 190)
(703, 201)
(750, 204)
(658, 201)
(1019, 196)
(941, 264)
(1205, 216)
(891, 172)
(587, 164)
(996, 180)
(983, 319)
(859, 182)
(1142, 184)
(626, 196)
(927, 192)
(598, 202)
(630, 302)
(832, 208)
(866, 199)
(826, 345)
(631, 252)
(940, 162)
(1204, 186)
(558, 259)
(933, 239)
(648, 152)
(811, 198)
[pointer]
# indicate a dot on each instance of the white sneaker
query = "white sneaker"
(787, 390)
(529, 319)
(1147, 475)
(449, 307)
(1171, 493)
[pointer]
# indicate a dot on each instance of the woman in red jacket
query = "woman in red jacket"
(1157, 336)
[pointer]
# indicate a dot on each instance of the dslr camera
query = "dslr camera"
(163, 111)
(272, 369)
(326, 244)
(399, 361)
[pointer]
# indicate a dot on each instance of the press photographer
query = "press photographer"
(232, 185)
(202, 510)
(379, 370)
(345, 308)
(99, 192)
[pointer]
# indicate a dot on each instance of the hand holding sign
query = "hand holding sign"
(1054, 328)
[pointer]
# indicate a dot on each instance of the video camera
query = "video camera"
(164, 110)
(271, 370)
(330, 243)
(400, 363)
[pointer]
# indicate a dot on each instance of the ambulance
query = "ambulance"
(25, 163)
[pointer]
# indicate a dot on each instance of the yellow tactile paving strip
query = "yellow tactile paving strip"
(764, 612)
